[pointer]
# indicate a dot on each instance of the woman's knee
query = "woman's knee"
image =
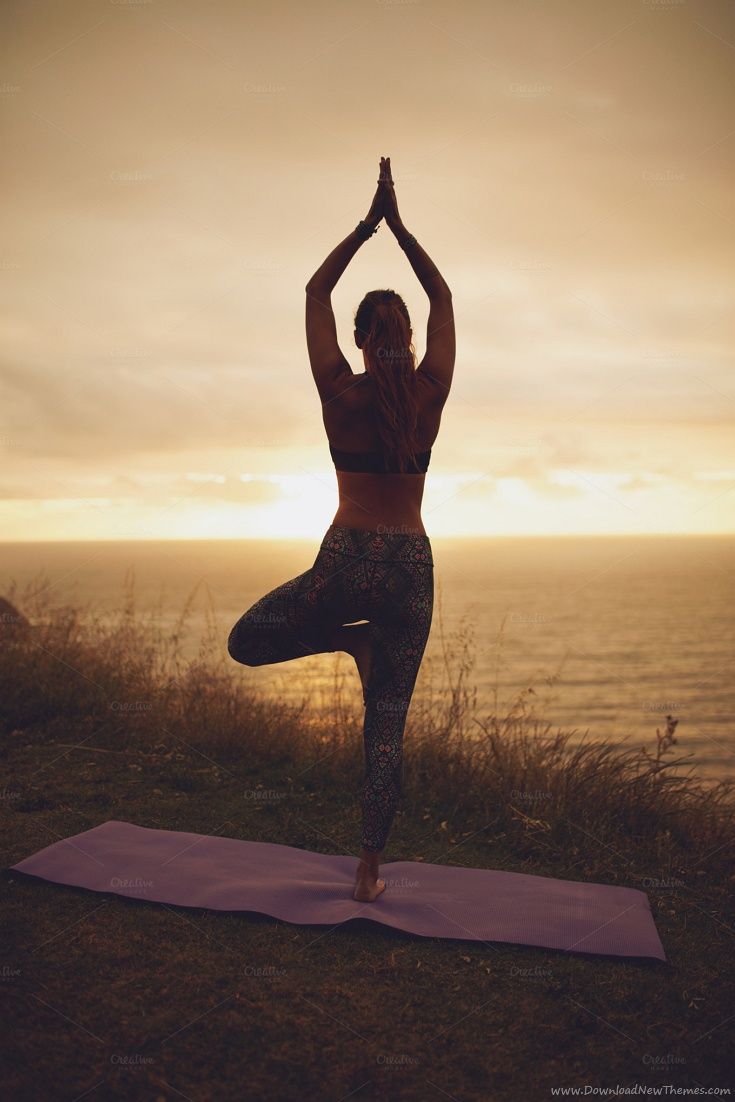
(245, 643)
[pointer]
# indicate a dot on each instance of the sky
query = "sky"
(175, 172)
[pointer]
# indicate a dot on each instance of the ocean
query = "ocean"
(612, 633)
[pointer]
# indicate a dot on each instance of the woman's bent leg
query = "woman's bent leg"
(292, 621)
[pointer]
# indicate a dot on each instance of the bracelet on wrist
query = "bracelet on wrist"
(364, 230)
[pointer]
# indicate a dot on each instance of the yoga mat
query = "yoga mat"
(306, 888)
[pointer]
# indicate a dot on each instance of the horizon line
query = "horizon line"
(460, 536)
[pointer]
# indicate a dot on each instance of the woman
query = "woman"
(374, 563)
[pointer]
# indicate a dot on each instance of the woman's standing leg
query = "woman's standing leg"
(403, 595)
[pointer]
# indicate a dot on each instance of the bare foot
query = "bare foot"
(368, 884)
(368, 890)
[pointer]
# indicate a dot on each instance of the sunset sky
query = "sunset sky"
(173, 173)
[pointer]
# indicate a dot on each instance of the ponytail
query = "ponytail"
(383, 319)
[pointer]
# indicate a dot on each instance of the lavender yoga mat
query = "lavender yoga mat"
(306, 888)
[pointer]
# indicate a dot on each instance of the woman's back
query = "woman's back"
(369, 498)
(351, 419)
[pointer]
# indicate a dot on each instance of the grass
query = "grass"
(103, 718)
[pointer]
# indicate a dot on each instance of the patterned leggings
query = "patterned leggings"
(358, 574)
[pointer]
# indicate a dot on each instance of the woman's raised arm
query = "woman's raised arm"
(426, 270)
(436, 370)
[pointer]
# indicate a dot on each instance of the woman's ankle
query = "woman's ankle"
(369, 863)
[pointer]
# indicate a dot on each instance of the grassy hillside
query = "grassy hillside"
(116, 999)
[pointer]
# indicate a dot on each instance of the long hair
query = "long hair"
(383, 320)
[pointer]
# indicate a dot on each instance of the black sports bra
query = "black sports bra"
(374, 462)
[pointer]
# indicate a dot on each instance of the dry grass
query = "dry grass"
(124, 682)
